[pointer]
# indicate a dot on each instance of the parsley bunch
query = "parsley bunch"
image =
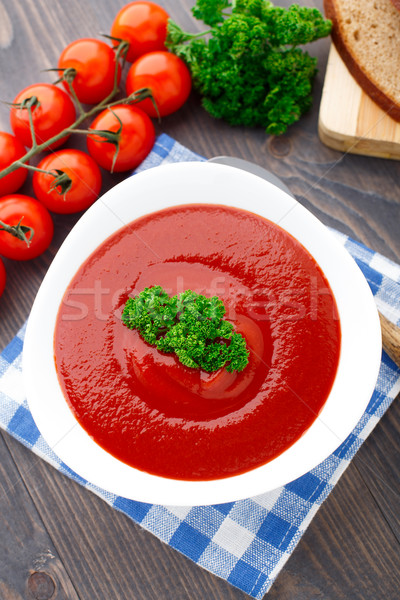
(249, 69)
(190, 325)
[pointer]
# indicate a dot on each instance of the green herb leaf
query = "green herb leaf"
(189, 325)
(210, 11)
(249, 69)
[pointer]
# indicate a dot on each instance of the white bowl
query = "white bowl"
(196, 182)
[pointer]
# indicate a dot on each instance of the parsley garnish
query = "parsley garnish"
(249, 67)
(190, 325)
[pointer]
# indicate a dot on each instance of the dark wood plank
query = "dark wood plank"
(379, 466)
(29, 566)
(351, 548)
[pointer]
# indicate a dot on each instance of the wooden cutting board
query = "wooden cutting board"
(349, 120)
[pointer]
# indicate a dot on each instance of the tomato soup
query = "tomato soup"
(153, 413)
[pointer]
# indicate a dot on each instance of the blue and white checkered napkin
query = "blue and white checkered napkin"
(247, 542)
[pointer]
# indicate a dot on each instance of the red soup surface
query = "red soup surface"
(153, 413)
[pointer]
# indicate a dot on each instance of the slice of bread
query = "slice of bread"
(366, 34)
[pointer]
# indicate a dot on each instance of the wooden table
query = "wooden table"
(58, 540)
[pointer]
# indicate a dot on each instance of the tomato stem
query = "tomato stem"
(110, 137)
(19, 231)
(69, 76)
(31, 126)
(31, 167)
(121, 50)
(62, 182)
(61, 179)
(116, 140)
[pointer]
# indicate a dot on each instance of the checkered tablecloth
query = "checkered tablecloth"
(246, 542)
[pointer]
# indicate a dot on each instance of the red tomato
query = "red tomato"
(15, 208)
(143, 25)
(84, 174)
(136, 139)
(2, 277)
(54, 113)
(95, 64)
(168, 78)
(11, 149)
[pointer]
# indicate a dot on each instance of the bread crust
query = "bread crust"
(370, 88)
(396, 4)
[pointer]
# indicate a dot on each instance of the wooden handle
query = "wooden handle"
(390, 339)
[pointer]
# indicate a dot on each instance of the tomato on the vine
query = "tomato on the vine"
(2, 277)
(142, 24)
(53, 112)
(168, 78)
(11, 150)
(20, 211)
(85, 179)
(95, 64)
(136, 138)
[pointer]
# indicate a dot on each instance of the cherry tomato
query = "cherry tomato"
(54, 113)
(11, 149)
(16, 208)
(2, 277)
(95, 64)
(168, 78)
(143, 25)
(136, 138)
(84, 174)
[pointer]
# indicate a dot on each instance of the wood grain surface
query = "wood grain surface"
(390, 338)
(57, 540)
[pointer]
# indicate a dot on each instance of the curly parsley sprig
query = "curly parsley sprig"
(249, 68)
(189, 325)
